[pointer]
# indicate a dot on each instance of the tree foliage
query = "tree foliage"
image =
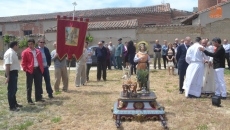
(23, 42)
(89, 38)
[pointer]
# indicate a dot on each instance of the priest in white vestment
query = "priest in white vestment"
(208, 79)
(195, 71)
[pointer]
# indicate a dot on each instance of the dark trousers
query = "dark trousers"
(46, 75)
(101, 66)
(227, 58)
(164, 60)
(119, 62)
(12, 88)
(37, 77)
(182, 73)
(174, 62)
(87, 71)
(133, 68)
(108, 65)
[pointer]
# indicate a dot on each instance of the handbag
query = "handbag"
(216, 101)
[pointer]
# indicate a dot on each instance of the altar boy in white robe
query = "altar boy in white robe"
(208, 79)
(195, 71)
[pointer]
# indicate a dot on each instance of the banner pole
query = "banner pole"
(69, 71)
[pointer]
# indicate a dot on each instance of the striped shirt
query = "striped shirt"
(44, 61)
(89, 58)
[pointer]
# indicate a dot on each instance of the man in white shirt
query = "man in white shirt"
(112, 52)
(12, 66)
(195, 70)
(226, 46)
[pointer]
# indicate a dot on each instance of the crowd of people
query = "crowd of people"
(193, 61)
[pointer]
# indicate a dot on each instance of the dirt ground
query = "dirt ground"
(89, 107)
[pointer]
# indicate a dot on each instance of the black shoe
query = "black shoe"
(224, 98)
(181, 92)
(31, 103)
(192, 96)
(14, 109)
(51, 96)
(18, 105)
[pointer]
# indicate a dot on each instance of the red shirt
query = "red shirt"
(28, 60)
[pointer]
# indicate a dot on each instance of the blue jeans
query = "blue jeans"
(46, 75)
(112, 60)
(12, 88)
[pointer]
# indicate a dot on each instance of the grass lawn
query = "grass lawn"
(89, 107)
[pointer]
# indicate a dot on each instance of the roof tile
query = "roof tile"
(92, 13)
(106, 25)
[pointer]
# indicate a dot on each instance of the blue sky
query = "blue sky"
(24, 7)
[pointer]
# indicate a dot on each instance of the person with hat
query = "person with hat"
(119, 53)
(101, 54)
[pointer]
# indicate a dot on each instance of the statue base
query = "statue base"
(139, 108)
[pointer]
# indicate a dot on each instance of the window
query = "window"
(0, 33)
(27, 32)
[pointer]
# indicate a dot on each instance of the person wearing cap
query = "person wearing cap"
(119, 53)
(101, 54)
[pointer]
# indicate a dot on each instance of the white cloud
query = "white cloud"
(24, 7)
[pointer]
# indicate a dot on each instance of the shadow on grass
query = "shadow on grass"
(32, 109)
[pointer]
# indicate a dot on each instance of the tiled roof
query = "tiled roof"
(189, 19)
(180, 17)
(104, 25)
(92, 13)
(167, 25)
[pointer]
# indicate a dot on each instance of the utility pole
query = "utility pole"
(74, 4)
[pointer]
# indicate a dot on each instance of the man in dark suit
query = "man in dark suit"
(181, 62)
(101, 54)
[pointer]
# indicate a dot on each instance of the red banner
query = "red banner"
(71, 37)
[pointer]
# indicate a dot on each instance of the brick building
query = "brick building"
(38, 23)
(219, 11)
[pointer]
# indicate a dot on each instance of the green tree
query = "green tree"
(89, 38)
(23, 42)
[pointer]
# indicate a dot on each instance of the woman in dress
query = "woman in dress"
(170, 56)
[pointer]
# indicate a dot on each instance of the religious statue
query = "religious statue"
(142, 59)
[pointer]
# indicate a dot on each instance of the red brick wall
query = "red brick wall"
(204, 4)
(14, 33)
(161, 18)
(36, 27)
